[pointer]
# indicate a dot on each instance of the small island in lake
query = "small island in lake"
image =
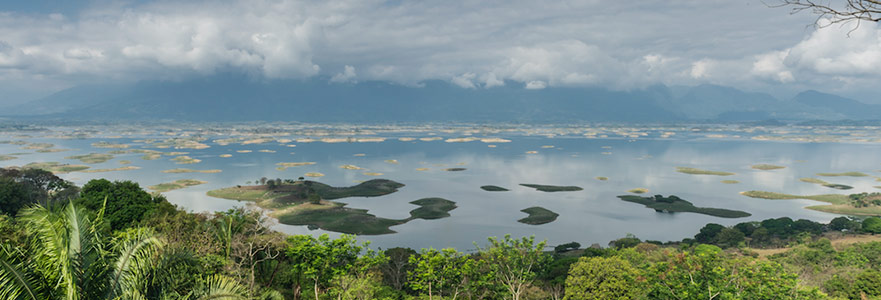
(673, 204)
(552, 188)
(862, 204)
(306, 202)
(493, 188)
(538, 216)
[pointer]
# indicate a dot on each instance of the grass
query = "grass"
(432, 208)
(851, 174)
(767, 167)
(838, 204)
(34, 146)
(103, 144)
(7, 157)
(552, 188)
(638, 191)
(826, 184)
(177, 184)
(55, 167)
(125, 162)
(314, 174)
(673, 204)
(126, 168)
(92, 158)
(52, 150)
(538, 215)
(493, 188)
(351, 167)
(185, 160)
(695, 171)
(372, 173)
(184, 170)
(730, 181)
(602, 178)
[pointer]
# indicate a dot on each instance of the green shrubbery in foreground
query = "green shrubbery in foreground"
(69, 250)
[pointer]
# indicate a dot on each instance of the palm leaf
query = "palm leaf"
(15, 280)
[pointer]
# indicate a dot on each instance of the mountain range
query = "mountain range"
(238, 98)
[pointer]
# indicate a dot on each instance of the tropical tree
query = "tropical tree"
(69, 257)
(602, 278)
(321, 259)
(445, 272)
(515, 262)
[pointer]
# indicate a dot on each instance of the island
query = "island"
(306, 202)
(538, 215)
(674, 204)
(493, 188)
(552, 188)
(695, 171)
(862, 204)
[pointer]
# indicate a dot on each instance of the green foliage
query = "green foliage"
(872, 225)
(21, 188)
(126, 203)
(515, 262)
(602, 278)
(321, 259)
(566, 247)
(444, 273)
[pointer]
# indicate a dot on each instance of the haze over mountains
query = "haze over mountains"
(233, 98)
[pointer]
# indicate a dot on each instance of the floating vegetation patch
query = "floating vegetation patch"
(54, 167)
(392, 161)
(532, 152)
(552, 188)
(695, 171)
(538, 215)
(838, 204)
(226, 155)
(406, 139)
(176, 153)
(285, 165)
(493, 188)
(125, 162)
(429, 139)
(638, 191)
(314, 174)
(495, 140)
(730, 181)
(826, 184)
(92, 158)
(33, 146)
(602, 178)
(7, 157)
(766, 167)
(851, 174)
(177, 184)
(351, 167)
(184, 170)
(359, 154)
(52, 150)
(185, 160)
(267, 151)
(674, 204)
(126, 168)
(372, 173)
(455, 169)
(103, 144)
(244, 151)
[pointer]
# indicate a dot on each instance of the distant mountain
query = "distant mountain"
(239, 98)
(847, 107)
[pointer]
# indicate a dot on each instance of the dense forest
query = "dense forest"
(113, 240)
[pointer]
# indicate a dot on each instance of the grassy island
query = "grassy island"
(864, 204)
(455, 169)
(695, 171)
(92, 158)
(638, 190)
(673, 204)
(766, 167)
(493, 188)
(184, 170)
(7, 157)
(851, 174)
(305, 202)
(538, 216)
(55, 168)
(826, 184)
(552, 188)
(177, 184)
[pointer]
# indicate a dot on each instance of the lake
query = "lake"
(553, 156)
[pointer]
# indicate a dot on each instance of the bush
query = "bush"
(872, 225)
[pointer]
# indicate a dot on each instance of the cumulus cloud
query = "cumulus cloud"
(470, 44)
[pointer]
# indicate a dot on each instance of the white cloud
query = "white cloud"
(465, 80)
(536, 85)
(771, 66)
(348, 75)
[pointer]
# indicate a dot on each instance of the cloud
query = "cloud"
(348, 75)
(473, 44)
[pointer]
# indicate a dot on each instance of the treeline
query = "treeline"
(112, 240)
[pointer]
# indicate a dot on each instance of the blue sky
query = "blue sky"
(46, 46)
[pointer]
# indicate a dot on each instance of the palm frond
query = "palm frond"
(136, 256)
(221, 287)
(16, 282)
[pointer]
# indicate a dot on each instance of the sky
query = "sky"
(50, 45)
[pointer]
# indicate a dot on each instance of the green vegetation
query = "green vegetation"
(92, 158)
(103, 144)
(851, 174)
(138, 247)
(695, 171)
(284, 165)
(338, 219)
(538, 216)
(826, 184)
(7, 157)
(432, 208)
(766, 167)
(177, 184)
(51, 150)
(455, 169)
(602, 178)
(126, 168)
(22, 188)
(730, 181)
(673, 204)
(55, 167)
(183, 170)
(856, 204)
(638, 190)
(552, 188)
(185, 160)
(493, 188)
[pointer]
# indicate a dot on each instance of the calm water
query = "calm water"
(593, 215)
